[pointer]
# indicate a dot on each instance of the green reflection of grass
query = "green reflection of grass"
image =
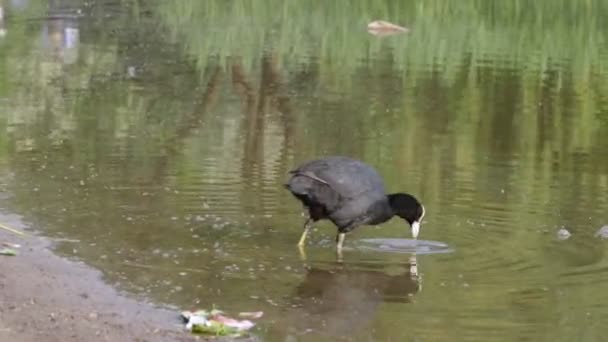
(534, 33)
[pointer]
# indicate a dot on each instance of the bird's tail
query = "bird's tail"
(300, 184)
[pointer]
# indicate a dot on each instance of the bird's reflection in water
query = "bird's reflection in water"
(341, 299)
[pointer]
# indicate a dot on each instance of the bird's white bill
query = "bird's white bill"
(415, 229)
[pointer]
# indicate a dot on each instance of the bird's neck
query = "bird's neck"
(383, 213)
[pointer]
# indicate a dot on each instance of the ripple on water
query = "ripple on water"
(403, 246)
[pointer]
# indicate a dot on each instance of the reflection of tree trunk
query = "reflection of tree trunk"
(269, 97)
(208, 100)
(278, 99)
(255, 119)
(241, 86)
(283, 107)
(189, 123)
(545, 110)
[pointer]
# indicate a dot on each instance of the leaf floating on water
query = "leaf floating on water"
(384, 28)
(8, 251)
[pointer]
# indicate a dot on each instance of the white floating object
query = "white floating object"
(384, 28)
(602, 233)
(563, 234)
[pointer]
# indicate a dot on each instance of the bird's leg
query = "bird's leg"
(340, 242)
(302, 253)
(307, 227)
(413, 266)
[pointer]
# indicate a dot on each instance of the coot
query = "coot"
(350, 193)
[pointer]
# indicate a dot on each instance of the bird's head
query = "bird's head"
(408, 208)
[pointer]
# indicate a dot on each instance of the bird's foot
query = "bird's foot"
(302, 252)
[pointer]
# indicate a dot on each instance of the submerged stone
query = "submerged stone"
(563, 234)
(602, 233)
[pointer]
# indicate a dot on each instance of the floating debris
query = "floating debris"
(254, 315)
(563, 234)
(215, 323)
(384, 28)
(8, 251)
(59, 239)
(11, 245)
(602, 233)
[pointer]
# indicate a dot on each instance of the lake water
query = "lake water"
(156, 139)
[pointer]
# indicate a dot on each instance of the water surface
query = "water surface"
(158, 136)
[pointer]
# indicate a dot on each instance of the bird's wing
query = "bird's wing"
(349, 178)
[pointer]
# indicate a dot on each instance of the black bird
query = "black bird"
(350, 193)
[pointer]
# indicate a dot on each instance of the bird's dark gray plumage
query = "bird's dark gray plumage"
(350, 193)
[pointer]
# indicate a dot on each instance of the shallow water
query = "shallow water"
(407, 246)
(157, 139)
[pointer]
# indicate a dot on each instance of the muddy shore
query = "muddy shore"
(44, 297)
